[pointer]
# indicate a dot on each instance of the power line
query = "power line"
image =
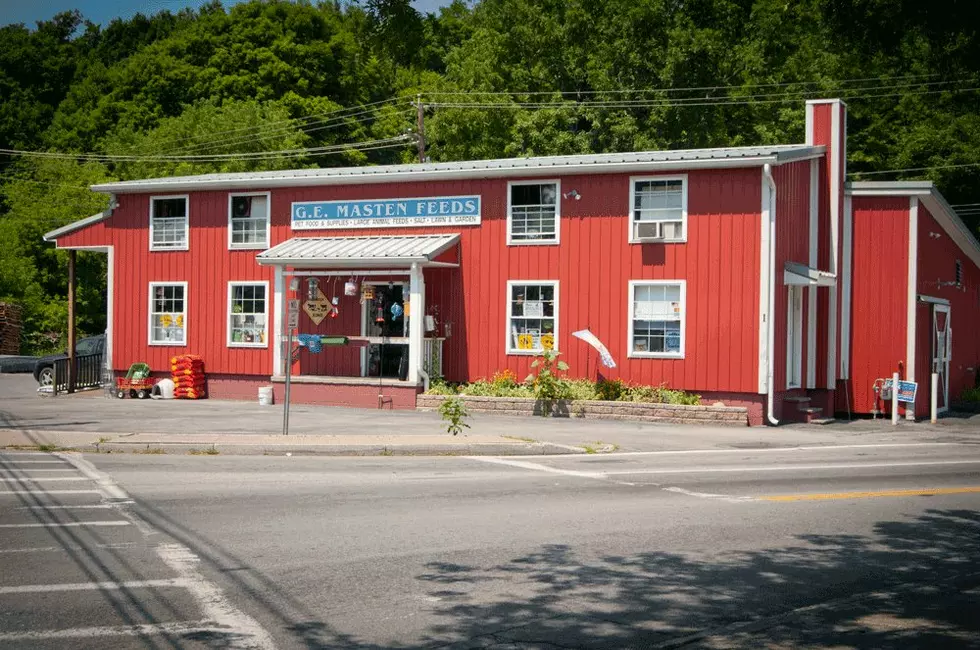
(698, 102)
(625, 91)
(257, 155)
(914, 169)
(306, 118)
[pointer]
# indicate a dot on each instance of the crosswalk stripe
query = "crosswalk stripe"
(43, 478)
(94, 586)
(69, 524)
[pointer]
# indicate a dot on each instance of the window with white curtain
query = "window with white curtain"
(656, 318)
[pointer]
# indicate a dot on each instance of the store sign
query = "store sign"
(906, 390)
(387, 213)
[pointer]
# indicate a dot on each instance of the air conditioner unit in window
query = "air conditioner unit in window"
(657, 230)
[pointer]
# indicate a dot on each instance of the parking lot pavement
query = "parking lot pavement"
(79, 570)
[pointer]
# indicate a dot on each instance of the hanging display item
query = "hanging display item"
(380, 317)
(318, 308)
(350, 287)
(396, 311)
(367, 293)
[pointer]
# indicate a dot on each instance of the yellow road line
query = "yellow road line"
(867, 495)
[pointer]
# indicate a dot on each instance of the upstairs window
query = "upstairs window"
(532, 316)
(248, 221)
(168, 223)
(533, 213)
(656, 318)
(659, 209)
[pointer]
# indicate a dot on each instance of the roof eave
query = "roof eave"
(354, 263)
(74, 226)
(411, 173)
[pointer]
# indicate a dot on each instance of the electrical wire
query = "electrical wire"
(258, 155)
(914, 169)
(685, 102)
(672, 88)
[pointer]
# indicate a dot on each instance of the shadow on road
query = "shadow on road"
(914, 584)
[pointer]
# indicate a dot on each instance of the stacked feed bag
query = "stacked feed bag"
(187, 371)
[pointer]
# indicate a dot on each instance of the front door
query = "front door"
(941, 347)
(384, 321)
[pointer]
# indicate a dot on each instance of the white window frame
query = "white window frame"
(534, 242)
(187, 222)
(794, 344)
(632, 209)
(228, 314)
(232, 246)
(633, 284)
(149, 315)
(541, 283)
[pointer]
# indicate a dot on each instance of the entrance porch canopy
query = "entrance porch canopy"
(362, 256)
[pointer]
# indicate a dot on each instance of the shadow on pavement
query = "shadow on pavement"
(914, 584)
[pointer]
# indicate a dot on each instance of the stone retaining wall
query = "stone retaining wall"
(597, 410)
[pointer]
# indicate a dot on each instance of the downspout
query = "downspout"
(770, 326)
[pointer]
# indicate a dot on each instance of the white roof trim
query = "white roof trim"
(382, 251)
(802, 275)
(933, 201)
(75, 225)
(514, 168)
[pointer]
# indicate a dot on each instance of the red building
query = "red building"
(753, 275)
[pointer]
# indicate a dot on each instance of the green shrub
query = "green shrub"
(440, 386)
(484, 388)
(580, 389)
(454, 413)
(548, 385)
(970, 395)
(611, 389)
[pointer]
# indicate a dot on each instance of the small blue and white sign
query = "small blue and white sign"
(387, 213)
(906, 390)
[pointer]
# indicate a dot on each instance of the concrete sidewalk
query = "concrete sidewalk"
(85, 420)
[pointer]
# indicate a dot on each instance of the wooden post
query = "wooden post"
(72, 369)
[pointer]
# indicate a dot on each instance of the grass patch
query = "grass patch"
(150, 450)
(520, 438)
(209, 451)
(971, 395)
(599, 447)
(47, 448)
(386, 452)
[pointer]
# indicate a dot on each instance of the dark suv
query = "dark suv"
(44, 367)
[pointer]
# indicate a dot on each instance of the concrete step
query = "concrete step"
(823, 421)
(799, 400)
(809, 414)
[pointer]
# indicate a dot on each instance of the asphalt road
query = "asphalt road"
(871, 546)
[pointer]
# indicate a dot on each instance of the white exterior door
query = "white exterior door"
(794, 338)
(942, 346)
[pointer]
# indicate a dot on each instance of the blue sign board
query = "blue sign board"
(387, 213)
(906, 390)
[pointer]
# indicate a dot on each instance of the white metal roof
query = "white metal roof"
(930, 197)
(641, 161)
(351, 252)
(75, 225)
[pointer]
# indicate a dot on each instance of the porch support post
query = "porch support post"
(72, 372)
(278, 308)
(416, 320)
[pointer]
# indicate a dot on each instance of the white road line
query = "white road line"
(676, 452)
(7, 461)
(107, 486)
(243, 630)
(43, 478)
(537, 467)
(25, 453)
(147, 629)
(70, 547)
(19, 471)
(46, 492)
(70, 524)
(790, 468)
(707, 495)
(95, 586)
(100, 506)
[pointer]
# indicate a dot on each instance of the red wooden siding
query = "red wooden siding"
(792, 245)
(937, 264)
(593, 263)
(880, 297)
(94, 235)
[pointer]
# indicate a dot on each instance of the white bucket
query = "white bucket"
(265, 395)
(163, 389)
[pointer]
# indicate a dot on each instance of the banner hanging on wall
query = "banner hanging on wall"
(387, 213)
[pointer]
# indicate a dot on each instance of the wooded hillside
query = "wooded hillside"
(273, 85)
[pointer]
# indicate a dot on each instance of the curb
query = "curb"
(238, 449)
